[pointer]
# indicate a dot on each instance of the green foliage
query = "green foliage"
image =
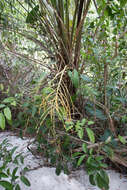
(90, 135)
(80, 160)
(97, 176)
(5, 111)
(28, 117)
(94, 164)
(74, 76)
(25, 181)
(80, 127)
(32, 16)
(122, 140)
(9, 178)
(2, 121)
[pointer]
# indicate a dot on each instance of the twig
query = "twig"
(27, 58)
(99, 144)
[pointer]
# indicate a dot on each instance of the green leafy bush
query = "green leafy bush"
(94, 164)
(9, 178)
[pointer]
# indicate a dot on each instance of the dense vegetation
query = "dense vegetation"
(63, 80)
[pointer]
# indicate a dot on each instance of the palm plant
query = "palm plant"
(63, 26)
(62, 22)
(59, 24)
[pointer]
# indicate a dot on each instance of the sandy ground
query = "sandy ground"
(44, 178)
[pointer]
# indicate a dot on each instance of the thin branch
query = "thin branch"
(26, 57)
(38, 42)
(95, 5)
